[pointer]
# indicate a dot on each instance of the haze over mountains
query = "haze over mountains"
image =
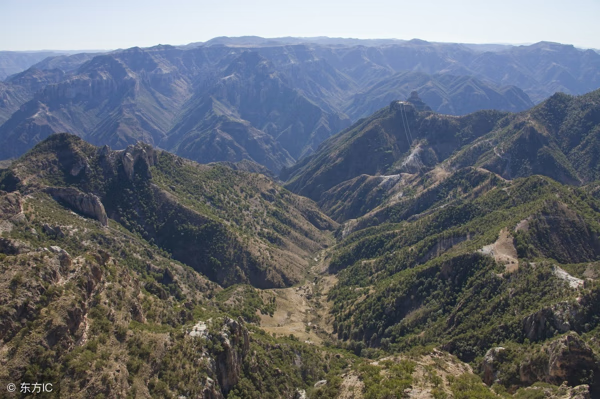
(240, 98)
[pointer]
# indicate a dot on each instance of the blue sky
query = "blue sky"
(111, 24)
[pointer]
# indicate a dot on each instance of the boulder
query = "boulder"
(54, 231)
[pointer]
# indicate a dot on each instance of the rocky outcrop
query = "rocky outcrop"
(235, 341)
(210, 390)
(489, 365)
(86, 204)
(564, 392)
(571, 360)
(13, 247)
(415, 100)
(138, 152)
(53, 231)
(10, 205)
(224, 365)
(566, 359)
(11, 211)
(556, 319)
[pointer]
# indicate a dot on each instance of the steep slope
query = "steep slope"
(100, 292)
(92, 305)
(557, 139)
(396, 139)
(213, 132)
(11, 98)
(474, 263)
(445, 94)
(251, 109)
(21, 87)
(96, 311)
(541, 69)
(232, 226)
(147, 94)
(114, 99)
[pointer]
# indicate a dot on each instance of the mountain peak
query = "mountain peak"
(415, 100)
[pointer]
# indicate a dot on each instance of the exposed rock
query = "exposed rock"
(63, 256)
(235, 340)
(54, 231)
(545, 323)
(415, 100)
(567, 358)
(137, 313)
(78, 167)
(578, 392)
(87, 204)
(11, 211)
(135, 153)
(321, 383)
(564, 392)
(10, 205)
(210, 390)
(19, 219)
(13, 247)
(200, 329)
(490, 373)
(573, 282)
(570, 359)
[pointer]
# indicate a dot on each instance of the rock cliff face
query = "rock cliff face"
(236, 344)
(11, 211)
(570, 359)
(135, 153)
(558, 318)
(87, 204)
(225, 365)
(489, 365)
(567, 359)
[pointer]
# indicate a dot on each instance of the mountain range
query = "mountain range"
(303, 218)
(467, 253)
(12, 62)
(557, 138)
(239, 98)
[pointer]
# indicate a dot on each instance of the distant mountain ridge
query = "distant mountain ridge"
(268, 102)
(12, 62)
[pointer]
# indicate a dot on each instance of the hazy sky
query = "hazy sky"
(111, 24)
